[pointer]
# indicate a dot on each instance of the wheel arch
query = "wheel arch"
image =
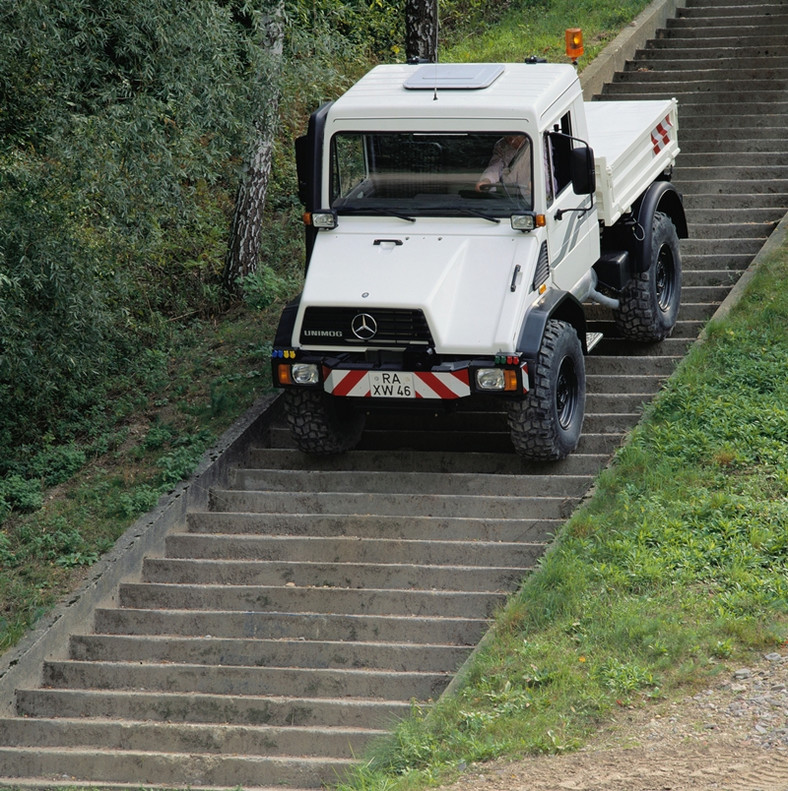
(560, 305)
(663, 197)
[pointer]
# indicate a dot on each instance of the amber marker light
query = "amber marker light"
(283, 374)
(510, 380)
(574, 43)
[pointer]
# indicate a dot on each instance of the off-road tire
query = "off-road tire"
(320, 424)
(649, 303)
(546, 425)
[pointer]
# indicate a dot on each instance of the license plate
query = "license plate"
(391, 384)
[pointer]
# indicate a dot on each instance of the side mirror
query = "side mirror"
(581, 168)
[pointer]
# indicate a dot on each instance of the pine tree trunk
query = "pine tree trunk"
(244, 245)
(421, 30)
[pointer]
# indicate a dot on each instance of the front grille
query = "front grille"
(392, 327)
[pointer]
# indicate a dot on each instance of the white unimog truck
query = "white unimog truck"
(458, 218)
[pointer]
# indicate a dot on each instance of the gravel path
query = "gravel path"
(730, 737)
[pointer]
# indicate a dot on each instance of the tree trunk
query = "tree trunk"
(421, 30)
(244, 245)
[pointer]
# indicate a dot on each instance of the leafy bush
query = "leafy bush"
(20, 494)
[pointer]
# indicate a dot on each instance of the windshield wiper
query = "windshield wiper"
(477, 213)
(375, 210)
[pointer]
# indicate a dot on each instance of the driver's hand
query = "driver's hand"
(483, 185)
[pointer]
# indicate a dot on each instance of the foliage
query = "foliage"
(369, 25)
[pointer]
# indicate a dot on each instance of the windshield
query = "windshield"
(485, 174)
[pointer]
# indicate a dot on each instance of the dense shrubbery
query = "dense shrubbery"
(120, 124)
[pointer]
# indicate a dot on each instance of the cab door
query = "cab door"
(572, 230)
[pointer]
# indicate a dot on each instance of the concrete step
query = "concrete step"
(700, 199)
(141, 768)
(258, 600)
(371, 460)
(362, 575)
(699, 216)
(666, 61)
(719, 245)
(764, 74)
(744, 48)
(318, 625)
(730, 230)
(393, 504)
(456, 529)
(377, 526)
(351, 549)
(262, 652)
(702, 24)
(694, 184)
(281, 682)
(164, 706)
(701, 13)
(759, 92)
(466, 484)
(218, 739)
(628, 365)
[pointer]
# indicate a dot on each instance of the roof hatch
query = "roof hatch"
(454, 76)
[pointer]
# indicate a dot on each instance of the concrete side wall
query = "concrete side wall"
(21, 666)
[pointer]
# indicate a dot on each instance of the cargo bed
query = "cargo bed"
(624, 154)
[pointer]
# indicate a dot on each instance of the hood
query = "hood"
(461, 281)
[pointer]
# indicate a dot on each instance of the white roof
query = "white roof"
(520, 91)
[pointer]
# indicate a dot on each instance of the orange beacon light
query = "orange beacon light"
(574, 43)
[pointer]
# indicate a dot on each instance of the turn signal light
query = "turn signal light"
(574, 43)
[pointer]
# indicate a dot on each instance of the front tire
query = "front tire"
(546, 425)
(649, 303)
(320, 424)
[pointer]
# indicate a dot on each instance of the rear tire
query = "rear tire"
(546, 425)
(649, 303)
(320, 424)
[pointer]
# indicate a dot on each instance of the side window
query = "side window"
(557, 145)
(348, 166)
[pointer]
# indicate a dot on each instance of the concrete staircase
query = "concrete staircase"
(296, 620)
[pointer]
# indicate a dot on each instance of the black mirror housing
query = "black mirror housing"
(581, 164)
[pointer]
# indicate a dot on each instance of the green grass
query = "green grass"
(536, 27)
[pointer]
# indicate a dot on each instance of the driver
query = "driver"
(510, 164)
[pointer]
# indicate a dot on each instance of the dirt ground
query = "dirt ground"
(730, 737)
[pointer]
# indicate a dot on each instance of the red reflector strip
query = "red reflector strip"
(442, 385)
(660, 135)
(347, 383)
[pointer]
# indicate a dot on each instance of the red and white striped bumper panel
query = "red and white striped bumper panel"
(442, 385)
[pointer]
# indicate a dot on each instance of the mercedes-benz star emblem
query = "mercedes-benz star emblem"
(364, 326)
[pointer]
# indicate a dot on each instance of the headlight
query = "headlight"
(305, 374)
(490, 379)
(500, 379)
